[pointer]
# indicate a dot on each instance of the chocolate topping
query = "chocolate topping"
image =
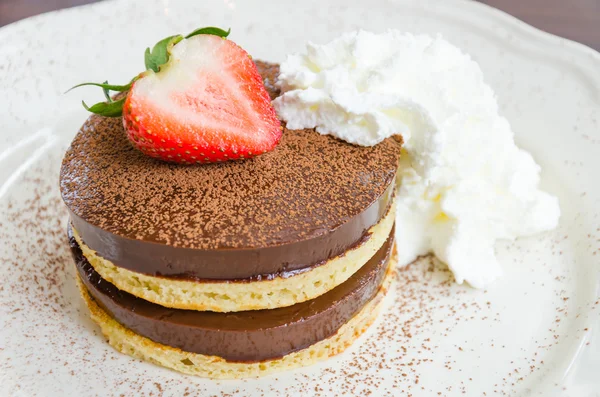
(303, 203)
(242, 336)
(232, 264)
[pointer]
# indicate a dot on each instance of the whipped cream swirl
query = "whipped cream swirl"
(463, 184)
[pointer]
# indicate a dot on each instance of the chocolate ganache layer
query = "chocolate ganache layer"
(240, 336)
(310, 199)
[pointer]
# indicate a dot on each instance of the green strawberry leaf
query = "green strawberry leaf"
(107, 109)
(160, 52)
(148, 61)
(106, 86)
(210, 30)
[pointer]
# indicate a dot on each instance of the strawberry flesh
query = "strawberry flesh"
(208, 104)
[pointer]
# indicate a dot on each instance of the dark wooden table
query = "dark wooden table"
(577, 20)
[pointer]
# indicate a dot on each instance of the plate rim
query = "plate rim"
(470, 11)
(449, 6)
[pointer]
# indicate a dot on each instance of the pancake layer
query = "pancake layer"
(128, 342)
(240, 295)
(241, 336)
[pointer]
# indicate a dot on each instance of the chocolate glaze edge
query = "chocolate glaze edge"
(243, 336)
(168, 261)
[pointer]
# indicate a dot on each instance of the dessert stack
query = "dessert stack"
(209, 238)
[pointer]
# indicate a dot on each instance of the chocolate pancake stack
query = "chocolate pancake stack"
(233, 269)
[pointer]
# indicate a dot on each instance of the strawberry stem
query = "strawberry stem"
(107, 92)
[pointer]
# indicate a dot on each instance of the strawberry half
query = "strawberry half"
(201, 100)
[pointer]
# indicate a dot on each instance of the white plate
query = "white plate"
(528, 334)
